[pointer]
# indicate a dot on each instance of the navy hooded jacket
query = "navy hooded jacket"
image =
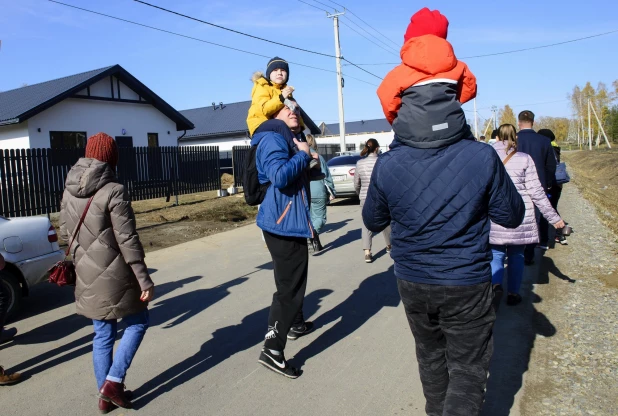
(439, 202)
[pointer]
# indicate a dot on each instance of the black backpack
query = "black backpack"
(255, 192)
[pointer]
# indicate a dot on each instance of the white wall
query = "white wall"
(383, 138)
(91, 116)
(14, 136)
(225, 145)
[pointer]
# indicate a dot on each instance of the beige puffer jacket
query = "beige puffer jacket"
(362, 175)
(108, 255)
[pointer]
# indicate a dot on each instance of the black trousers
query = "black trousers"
(4, 303)
(452, 327)
(291, 263)
(543, 227)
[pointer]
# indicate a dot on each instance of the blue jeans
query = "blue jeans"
(105, 366)
(515, 259)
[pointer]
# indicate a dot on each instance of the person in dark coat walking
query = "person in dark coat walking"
(556, 189)
(438, 192)
(540, 149)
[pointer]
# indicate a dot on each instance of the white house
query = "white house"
(64, 112)
(357, 133)
(225, 125)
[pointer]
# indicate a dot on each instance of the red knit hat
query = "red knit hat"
(103, 147)
(427, 22)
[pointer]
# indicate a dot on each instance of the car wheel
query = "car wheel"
(10, 285)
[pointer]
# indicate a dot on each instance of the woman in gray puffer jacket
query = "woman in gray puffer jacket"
(362, 177)
(112, 279)
(506, 242)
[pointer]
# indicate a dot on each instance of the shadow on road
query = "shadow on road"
(515, 331)
(349, 237)
(64, 327)
(373, 294)
(225, 342)
(329, 228)
(344, 202)
(548, 266)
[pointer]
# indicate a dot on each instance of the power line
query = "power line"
(376, 30)
(515, 50)
(386, 47)
(202, 40)
(356, 31)
(362, 69)
(232, 30)
(251, 36)
(314, 6)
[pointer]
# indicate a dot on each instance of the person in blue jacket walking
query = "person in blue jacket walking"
(439, 197)
(284, 217)
(322, 192)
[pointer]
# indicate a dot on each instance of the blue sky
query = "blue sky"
(43, 40)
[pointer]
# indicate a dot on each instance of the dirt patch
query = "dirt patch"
(162, 224)
(596, 175)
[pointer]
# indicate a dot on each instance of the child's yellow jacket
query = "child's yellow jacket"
(266, 101)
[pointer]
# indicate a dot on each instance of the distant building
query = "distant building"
(357, 133)
(64, 112)
(225, 125)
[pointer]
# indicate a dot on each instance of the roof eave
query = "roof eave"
(10, 121)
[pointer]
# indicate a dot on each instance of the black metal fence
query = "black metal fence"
(32, 180)
(239, 153)
(226, 162)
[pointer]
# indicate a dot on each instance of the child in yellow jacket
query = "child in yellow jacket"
(269, 94)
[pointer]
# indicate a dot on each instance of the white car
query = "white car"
(30, 248)
(342, 170)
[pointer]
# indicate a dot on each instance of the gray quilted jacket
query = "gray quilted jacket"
(108, 255)
(523, 172)
(362, 175)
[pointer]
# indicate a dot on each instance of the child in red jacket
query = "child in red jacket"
(422, 97)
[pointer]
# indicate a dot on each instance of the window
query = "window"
(67, 139)
(153, 139)
(343, 160)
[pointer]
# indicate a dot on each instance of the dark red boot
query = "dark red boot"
(106, 407)
(114, 392)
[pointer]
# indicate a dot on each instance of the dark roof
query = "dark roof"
(355, 127)
(20, 104)
(214, 121)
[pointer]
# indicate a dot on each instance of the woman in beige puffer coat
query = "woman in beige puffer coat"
(362, 177)
(112, 278)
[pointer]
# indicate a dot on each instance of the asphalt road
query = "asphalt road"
(207, 326)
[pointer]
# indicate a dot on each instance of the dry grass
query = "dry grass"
(162, 224)
(596, 175)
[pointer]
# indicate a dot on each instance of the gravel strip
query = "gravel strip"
(575, 371)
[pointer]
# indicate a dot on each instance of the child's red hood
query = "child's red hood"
(429, 54)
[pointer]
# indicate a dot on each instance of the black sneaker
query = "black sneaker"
(278, 364)
(298, 331)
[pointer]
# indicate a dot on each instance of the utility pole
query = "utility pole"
(495, 109)
(589, 128)
(609, 146)
(340, 81)
(476, 122)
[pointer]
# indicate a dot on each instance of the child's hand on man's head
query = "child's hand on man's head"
(287, 91)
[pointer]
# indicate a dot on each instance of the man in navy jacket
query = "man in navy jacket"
(541, 151)
(439, 199)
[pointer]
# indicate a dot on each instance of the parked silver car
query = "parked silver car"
(342, 170)
(30, 247)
